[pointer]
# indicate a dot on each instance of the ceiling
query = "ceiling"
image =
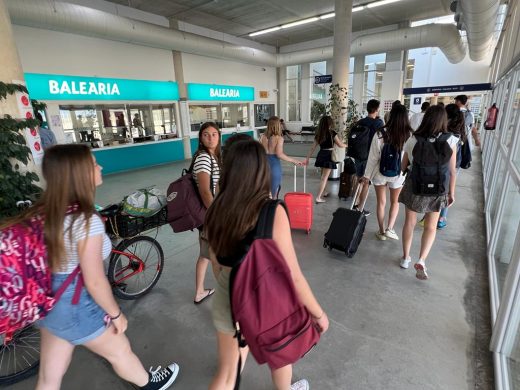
(241, 17)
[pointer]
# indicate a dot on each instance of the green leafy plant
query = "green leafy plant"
(15, 184)
(317, 111)
(342, 109)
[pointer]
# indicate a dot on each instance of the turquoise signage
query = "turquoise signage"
(220, 92)
(60, 87)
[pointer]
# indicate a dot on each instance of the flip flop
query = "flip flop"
(325, 194)
(209, 291)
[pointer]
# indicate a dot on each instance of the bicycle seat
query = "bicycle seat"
(110, 211)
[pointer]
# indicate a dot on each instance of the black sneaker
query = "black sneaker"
(161, 379)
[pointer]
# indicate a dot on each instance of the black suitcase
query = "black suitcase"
(346, 230)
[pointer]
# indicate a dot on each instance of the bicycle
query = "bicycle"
(135, 265)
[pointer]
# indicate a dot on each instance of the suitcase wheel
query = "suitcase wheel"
(330, 248)
(308, 231)
(349, 255)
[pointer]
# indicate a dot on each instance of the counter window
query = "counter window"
(226, 115)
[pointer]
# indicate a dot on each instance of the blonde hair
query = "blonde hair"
(273, 127)
(69, 173)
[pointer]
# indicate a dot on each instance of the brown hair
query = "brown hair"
(324, 127)
(202, 148)
(273, 127)
(226, 226)
(398, 128)
(435, 121)
(69, 173)
(456, 122)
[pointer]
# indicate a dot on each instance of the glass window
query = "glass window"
(294, 90)
(164, 120)
(262, 114)
(225, 115)
(375, 65)
(234, 115)
(507, 231)
(80, 123)
(498, 187)
(514, 118)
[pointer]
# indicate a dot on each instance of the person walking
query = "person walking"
(229, 231)
(206, 172)
(433, 129)
(471, 131)
(373, 123)
(388, 145)
(75, 236)
(272, 141)
(417, 118)
(456, 126)
(325, 138)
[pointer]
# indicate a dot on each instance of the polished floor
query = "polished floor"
(388, 330)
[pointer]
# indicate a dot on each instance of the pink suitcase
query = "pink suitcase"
(300, 205)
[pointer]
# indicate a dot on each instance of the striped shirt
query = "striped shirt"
(204, 163)
(79, 233)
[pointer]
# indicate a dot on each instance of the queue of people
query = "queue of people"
(399, 158)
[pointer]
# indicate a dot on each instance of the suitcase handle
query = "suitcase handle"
(358, 192)
(304, 178)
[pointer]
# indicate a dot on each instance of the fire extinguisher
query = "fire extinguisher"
(491, 121)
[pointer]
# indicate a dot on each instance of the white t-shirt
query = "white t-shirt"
(207, 164)
(409, 145)
(416, 119)
(79, 233)
(374, 157)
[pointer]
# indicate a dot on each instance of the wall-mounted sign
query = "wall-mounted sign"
(220, 92)
(417, 100)
(62, 87)
(324, 79)
(263, 94)
(448, 88)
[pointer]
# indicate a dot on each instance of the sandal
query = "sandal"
(209, 292)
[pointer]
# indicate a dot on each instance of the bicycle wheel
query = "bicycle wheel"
(20, 358)
(135, 267)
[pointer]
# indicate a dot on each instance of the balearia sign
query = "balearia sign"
(220, 92)
(61, 87)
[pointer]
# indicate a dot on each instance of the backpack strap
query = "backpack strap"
(264, 226)
(68, 282)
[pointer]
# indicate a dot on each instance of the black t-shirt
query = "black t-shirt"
(328, 143)
(372, 124)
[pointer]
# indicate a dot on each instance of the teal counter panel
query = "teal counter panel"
(127, 158)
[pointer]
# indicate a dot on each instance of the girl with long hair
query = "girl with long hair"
(395, 133)
(229, 231)
(433, 125)
(75, 235)
(325, 138)
(456, 126)
(206, 172)
(272, 141)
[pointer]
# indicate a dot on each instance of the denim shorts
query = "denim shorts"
(78, 324)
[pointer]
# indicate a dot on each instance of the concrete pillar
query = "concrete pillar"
(282, 92)
(392, 87)
(306, 93)
(359, 81)
(11, 71)
(184, 125)
(342, 38)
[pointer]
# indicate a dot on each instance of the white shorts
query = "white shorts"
(392, 182)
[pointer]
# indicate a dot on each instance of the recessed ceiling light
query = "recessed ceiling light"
(356, 9)
(268, 30)
(382, 2)
(300, 22)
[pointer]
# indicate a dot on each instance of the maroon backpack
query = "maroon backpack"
(186, 211)
(265, 307)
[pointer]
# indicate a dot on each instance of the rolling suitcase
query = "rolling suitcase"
(348, 180)
(346, 230)
(299, 205)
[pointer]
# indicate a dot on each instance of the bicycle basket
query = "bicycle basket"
(126, 226)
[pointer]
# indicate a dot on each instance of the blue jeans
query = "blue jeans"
(444, 210)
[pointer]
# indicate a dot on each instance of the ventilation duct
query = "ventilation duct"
(76, 19)
(479, 19)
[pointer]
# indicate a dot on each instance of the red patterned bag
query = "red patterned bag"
(25, 278)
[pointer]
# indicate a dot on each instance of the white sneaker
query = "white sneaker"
(390, 233)
(302, 384)
(405, 263)
(420, 270)
(380, 236)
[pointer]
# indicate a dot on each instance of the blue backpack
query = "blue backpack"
(390, 163)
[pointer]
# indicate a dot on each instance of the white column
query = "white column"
(359, 81)
(392, 88)
(306, 93)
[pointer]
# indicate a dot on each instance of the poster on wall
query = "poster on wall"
(32, 137)
(387, 105)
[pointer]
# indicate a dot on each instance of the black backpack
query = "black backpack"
(390, 161)
(359, 142)
(431, 165)
(465, 155)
